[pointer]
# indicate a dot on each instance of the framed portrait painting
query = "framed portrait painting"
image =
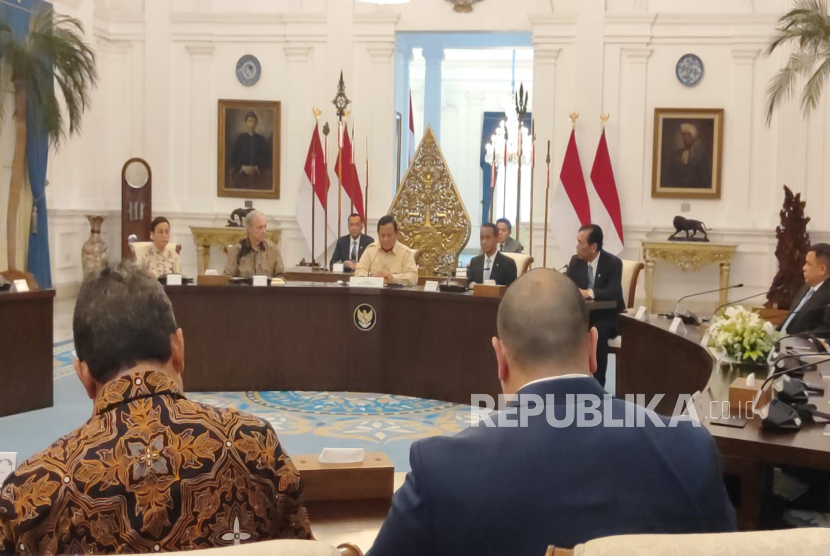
(249, 149)
(688, 153)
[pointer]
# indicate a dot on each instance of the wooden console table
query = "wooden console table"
(205, 238)
(688, 256)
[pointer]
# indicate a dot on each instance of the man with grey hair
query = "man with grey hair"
(255, 255)
(150, 471)
(559, 466)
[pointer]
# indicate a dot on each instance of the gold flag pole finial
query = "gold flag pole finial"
(604, 117)
(341, 102)
(574, 116)
(317, 113)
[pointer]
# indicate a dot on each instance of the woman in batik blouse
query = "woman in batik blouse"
(161, 258)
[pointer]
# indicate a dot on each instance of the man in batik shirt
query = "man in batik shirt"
(151, 471)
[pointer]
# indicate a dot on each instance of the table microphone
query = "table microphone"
(369, 271)
(689, 317)
(778, 415)
(811, 335)
(784, 362)
(792, 371)
(745, 299)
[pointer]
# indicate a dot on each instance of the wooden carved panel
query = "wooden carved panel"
(430, 213)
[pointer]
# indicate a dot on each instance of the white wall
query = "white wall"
(164, 65)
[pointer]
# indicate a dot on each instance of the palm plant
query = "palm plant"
(52, 53)
(807, 27)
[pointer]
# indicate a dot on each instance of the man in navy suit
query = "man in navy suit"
(508, 488)
(598, 275)
(811, 306)
(491, 265)
(349, 248)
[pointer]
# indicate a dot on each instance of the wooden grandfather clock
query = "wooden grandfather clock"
(136, 203)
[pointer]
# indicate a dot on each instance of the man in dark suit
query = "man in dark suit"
(530, 476)
(598, 275)
(810, 306)
(349, 248)
(506, 243)
(491, 265)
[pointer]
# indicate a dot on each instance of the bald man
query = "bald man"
(506, 488)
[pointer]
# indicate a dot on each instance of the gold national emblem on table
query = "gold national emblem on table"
(365, 317)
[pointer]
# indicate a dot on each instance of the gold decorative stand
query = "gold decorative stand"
(205, 238)
(687, 256)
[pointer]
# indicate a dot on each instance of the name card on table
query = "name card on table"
(260, 280)
(337, 267)
(174, 279)
(677, 326)
(641, 313)
(19, 286)
(431, 286)
(341, 455)
(211, 272)
(365, 282)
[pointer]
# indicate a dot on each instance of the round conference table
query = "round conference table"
(309, 336)
(435, 345)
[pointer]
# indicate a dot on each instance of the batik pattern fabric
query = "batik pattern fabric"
(161, 263)
(152, 471)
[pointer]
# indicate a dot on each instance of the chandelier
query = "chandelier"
(495, 149)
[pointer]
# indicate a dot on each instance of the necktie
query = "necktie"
(487, 269)
(807, 296)
(354, 250)
(590, 277)
(501, 247)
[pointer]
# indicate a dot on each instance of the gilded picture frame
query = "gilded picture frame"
(687, 160)
(249, 149)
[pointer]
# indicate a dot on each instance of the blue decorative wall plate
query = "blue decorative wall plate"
(248, 70)
(689, 70)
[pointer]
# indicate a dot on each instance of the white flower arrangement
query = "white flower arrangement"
(742, 335)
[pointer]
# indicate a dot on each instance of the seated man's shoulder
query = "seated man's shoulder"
(222, 416)
(509, 261)
(271, 245)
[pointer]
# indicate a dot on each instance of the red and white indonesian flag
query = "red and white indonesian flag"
(607, 214)
(350, 180)
(314, 173)
(571, 207)
(411, 129)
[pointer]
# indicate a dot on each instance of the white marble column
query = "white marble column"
(433, 58)
(157, 100)
(471, 190)
(381, 148)
(739, 128)
(588, 78)
(200, 182)
(635, 177)
(545, 57)
(297, 113)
